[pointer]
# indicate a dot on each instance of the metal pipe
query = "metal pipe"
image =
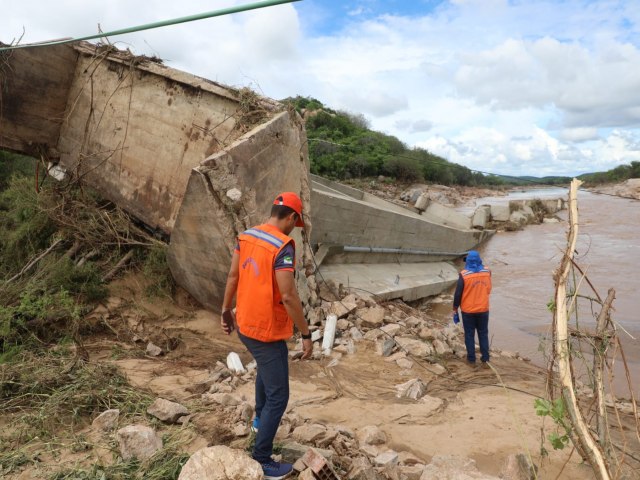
(404, 251)
(149, 26)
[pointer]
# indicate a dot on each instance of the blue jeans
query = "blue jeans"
(471, 323)
(272, 391)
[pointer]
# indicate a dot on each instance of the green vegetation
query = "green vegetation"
(557, 411)
(618, 174)
(341, 146)
(57, 242)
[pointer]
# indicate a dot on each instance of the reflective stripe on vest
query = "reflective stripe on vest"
(259, 310)
(475, 294)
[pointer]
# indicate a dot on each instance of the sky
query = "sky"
(520, 87)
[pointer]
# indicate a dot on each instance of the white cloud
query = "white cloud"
(517, 87)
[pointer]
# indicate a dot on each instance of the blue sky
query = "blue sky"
(514, 87)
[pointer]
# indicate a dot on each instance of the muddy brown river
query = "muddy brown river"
(523, 262)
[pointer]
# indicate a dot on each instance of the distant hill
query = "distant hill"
(342, 146)
(617, 174)
(530, 180)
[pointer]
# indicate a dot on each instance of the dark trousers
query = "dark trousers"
(471, 323)
(272, 391)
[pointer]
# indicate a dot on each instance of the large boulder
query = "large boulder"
(221, 463)
(138, 441)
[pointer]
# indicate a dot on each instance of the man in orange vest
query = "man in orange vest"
(267, 307)
(472, 297)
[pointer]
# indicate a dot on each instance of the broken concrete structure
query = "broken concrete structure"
(191, 158)
(370, 244)
(201, 162)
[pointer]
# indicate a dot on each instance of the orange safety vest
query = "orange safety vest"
(260, 312)
(475, 294)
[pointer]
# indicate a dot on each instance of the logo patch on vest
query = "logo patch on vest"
(287, 260)
(250, 262)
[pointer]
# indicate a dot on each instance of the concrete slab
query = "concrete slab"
(408, 281)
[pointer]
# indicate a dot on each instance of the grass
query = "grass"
(55, 391)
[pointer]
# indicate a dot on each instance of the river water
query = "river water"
(523, 262)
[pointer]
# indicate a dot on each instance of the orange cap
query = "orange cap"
(291, 200)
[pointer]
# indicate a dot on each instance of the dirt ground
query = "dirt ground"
(468, 412)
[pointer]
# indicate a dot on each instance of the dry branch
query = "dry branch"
(580, 434)
(29, 265)
(123, 261)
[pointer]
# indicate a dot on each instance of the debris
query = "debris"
(225, 399)
(372, 317)
(221, 463)
(329, 334)
(309, 433)
(138, 441)
(319, 465)
(389, 457)
(234, 363)
(413, 389)
(371, 435)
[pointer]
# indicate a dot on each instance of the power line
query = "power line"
(149, 26)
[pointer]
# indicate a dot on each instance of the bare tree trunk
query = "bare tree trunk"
(580, 434)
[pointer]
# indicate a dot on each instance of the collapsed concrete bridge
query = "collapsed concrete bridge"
(201, 162)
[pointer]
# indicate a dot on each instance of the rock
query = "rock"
(384, 346)
(427, 334)
(372, 317)
(387, 458)
(221, 463)
(550, 220)
(106, 421)
(225, 399)
(412, 322)
(508, 354)
(373, 334)
(453, 467)
(500, 213)
(518, 467)
(307, 475)
(308, 433)
(404, 363)
(343, 324)
(415, 347)
(408, 458)
(241, 430)
(344, 307)
(422, 202)
(371, 435)
(166, 410)
(361, 469)
(441, 347)
(293, 451)
(431, 404)
(234, 194)
(153, 350)
(355, 334)
(391, 329)
(138, 441)
(412, 472)
(413, 389)
(436, 369)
